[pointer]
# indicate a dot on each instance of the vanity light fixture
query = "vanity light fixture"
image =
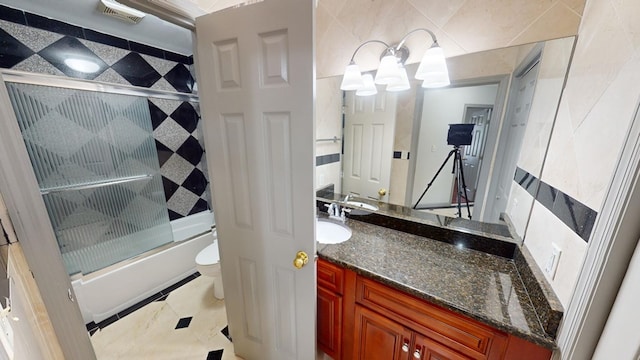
(369, 87)
(391, 71)
(82, 65)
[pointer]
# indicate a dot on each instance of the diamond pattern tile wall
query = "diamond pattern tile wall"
(33, 43)
(49, 44)
(181, 156)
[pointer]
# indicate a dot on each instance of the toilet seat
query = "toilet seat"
(209, 255)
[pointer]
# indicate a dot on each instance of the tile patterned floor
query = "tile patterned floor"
(188, 324)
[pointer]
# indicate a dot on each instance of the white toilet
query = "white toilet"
(208, 264)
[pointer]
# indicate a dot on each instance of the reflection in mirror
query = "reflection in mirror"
(394, 143)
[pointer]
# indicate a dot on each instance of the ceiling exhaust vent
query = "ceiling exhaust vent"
(119, 11)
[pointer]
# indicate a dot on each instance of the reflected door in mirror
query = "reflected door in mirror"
(472, 154)
(369, 134)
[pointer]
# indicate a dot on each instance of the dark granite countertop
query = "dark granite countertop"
(485, 287)
(497, 231)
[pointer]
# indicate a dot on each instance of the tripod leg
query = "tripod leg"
(434, 177)
(464, 186)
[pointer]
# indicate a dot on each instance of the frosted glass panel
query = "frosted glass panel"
(97, 167)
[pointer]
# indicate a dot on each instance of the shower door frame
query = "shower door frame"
(19, 187)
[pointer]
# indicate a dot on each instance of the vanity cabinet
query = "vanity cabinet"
(329, 308)
(359, 318)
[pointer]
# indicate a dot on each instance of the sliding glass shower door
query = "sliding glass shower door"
(95, 160)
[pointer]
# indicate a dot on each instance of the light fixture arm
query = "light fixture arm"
(433, 37)
(365, 43)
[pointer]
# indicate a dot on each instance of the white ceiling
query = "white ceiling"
(150, 31)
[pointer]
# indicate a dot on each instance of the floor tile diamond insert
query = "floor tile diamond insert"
(149, 332)
(183, 323)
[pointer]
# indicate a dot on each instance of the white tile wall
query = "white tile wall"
(597, 107)
(461, 26)
(545, 225)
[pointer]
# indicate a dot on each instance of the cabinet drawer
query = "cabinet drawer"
(453, 330)
(330, 276)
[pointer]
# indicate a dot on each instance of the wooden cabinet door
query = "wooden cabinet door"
(329, 322)
(378, 338)
(427, 349)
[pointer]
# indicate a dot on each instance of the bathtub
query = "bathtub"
(115, 288)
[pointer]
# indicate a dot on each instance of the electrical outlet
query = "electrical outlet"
(553, 260)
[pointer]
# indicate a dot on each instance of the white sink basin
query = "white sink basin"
(328, 232)
(362, 205)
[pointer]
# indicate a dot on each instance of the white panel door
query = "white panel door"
(369, 133)
(256, 78)
(517, 118)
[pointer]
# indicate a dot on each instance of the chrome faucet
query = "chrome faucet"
(346, 198)
(337, 212)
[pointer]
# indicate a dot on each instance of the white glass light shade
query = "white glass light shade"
(433, 68)
(388, 70)
(369, 87)
(402, 84)
(352, 78)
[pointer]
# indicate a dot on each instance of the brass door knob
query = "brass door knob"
(301, 259)
(382, 192)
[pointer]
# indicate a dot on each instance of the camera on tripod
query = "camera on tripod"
(458, 135)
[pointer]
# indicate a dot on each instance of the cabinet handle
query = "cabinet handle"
(405, 346)
(417, 354)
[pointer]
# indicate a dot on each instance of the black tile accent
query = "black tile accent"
(546, 195)
(136, 70)
(186, 116)
(200, 206)
(108, 321)
(139, 305)
(12, 51)
(106, 39)
(397, 154)
(146, 49)
(183, 323)
(577, 216)
(164, 153)
(163, 297)
(92, 326)
(574, 214)
(215, 354)
(196, 182)
(12, 15)
(527, 181)
(180, 78)
(327, 159)
(157, 115)
(169, 188)
(178, 284)
(70, 48)
(183, 59)
(225, 332)
(52, 25)
(191, 150)
(174, 215)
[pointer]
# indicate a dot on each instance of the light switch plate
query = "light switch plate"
(553, 260)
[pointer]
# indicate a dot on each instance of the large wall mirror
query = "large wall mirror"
(388, 147)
